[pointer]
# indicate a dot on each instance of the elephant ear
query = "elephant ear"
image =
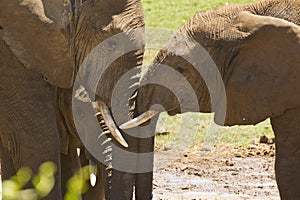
(37, 32)
(265, 73)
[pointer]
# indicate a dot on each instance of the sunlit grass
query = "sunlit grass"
(201, 128)
(172, 14)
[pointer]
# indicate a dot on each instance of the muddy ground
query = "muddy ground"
(224, 172)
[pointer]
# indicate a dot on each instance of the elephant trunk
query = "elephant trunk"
(148, 101)
(143, 147)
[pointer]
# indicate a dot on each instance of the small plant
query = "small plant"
(79, 183)
(43, 183)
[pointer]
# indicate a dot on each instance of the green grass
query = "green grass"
(196, 128)
(163, 16)
(172, 14)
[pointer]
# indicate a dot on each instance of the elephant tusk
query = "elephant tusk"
(139, 119)
(103, 111)
(101, 107)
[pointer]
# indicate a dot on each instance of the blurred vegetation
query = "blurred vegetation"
(79, 183)
(162, 18)
(43, 183)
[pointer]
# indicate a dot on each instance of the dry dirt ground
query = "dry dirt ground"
(224, 173)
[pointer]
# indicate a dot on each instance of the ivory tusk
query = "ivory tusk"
(104, 110)
(139, 120)
(101, 108)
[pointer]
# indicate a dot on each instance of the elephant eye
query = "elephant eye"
(180, 67)
(112, 45)
(79, 114)
(180, 70)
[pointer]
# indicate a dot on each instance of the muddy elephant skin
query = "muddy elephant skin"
(42, 46)
(256, 50)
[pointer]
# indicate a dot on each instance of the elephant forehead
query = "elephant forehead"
(215, 24)
(180, 45)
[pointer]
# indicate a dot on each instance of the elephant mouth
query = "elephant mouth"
(173, 111)
(139, 120)
(103, 114)
(144, 117)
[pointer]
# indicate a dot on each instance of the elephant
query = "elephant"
(240, 62)
(43, 45)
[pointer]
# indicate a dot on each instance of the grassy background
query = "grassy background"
(172, 14)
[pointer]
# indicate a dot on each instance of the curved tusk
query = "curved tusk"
(104, 110)
(139, 119)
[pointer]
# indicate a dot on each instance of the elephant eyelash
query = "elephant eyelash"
(179, 69)
(112, 45)
(180, 66)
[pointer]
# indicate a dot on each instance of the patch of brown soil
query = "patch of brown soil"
(225, 173)
(253, 150)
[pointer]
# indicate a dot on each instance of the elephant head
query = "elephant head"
(239, 61)
(109, 44)
(53, 38)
